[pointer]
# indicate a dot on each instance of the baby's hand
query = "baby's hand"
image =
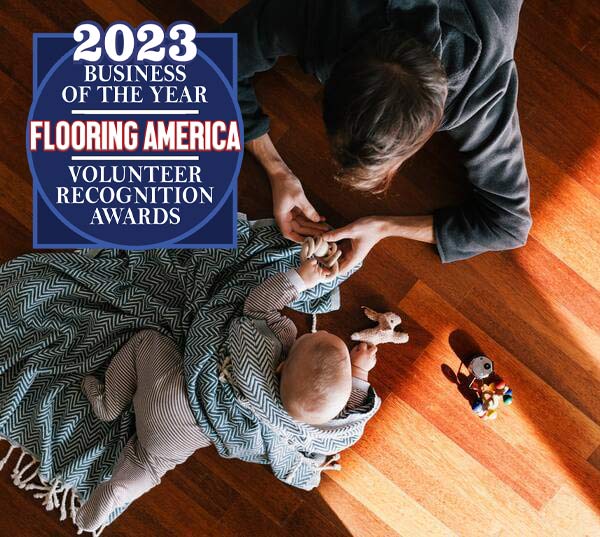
(363, 358)
(312, 273)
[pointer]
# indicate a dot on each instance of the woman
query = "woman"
(395, 72)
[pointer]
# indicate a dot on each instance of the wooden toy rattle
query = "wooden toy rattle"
(384, 331)
(326, 253)
(489, 388)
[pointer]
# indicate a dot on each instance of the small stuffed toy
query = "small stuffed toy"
(384, 331)
(326, 253)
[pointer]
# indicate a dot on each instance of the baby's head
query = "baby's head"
(316, 378)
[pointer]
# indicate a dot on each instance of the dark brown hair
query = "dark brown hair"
(383, 101)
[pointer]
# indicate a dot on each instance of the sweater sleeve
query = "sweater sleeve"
(266, 301)
(496, 217)
(267, 29)
(359, 402)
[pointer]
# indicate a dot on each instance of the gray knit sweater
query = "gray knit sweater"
(475, 41)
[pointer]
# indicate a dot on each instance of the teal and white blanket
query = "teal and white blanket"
(64, 315)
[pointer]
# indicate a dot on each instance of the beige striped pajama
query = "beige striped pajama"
(148, 371)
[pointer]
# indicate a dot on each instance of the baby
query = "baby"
(321, 384)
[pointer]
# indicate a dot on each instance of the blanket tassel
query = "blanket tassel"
(54, 494)
(332, 463)
(49, 497)
(63, 503)
(4, 459)
(18, 473)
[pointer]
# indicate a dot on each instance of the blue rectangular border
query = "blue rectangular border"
(234, 193)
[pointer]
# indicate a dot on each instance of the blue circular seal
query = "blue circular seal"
(176, 178)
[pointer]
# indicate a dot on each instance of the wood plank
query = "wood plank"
(426, 465)
(541, 430)
(354, 516)
(380, 494)
(577, 20)
(16, 197)
(255, 484)
(558, 105)
(430, 468)
(550, 40)
(565, 514)
(243, 518)
(123, 10)
(308, 520)
(594, 458)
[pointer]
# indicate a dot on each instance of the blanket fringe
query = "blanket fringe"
(54, 494)
(332, 463)
(7, 456)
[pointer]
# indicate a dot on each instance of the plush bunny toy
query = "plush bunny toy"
(384, 331)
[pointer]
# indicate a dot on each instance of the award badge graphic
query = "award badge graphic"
(134, 137)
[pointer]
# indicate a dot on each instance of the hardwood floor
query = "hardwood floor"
(425, 466)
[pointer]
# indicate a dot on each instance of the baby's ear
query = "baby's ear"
(280, 367)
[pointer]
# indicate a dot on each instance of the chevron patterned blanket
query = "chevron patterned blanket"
(297, 453)
(63, 315)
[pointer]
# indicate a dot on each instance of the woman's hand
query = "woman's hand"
(363, 234)
(294, 214)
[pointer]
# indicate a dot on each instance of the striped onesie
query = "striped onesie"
(148, 372)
